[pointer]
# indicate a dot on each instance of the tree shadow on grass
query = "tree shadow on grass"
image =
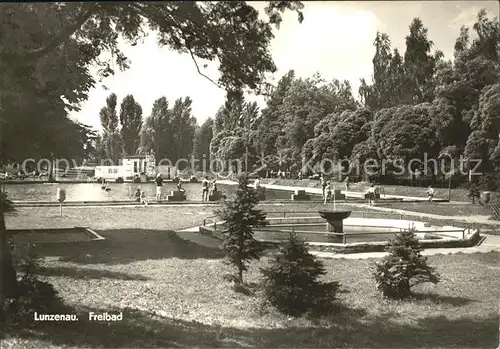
(86, 273)
(350, 327)
(131, 245)
(439, 299)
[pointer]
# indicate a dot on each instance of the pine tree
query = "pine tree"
(241, 216)
(292, 282)
(404, 267)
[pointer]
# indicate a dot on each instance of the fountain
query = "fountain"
(335, 220)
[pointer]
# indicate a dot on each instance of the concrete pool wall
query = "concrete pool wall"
(429, 236)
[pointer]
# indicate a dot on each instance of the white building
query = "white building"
(142, 166)
(137, 165)
(109, 172)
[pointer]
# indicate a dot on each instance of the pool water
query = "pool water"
(118, 192)
(318, 233)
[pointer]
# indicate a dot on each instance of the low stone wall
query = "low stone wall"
(380, 246)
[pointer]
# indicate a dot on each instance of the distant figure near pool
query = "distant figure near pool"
(371, 194)
(159, 184)
(204, 188)
(179, 186)
(256, 184)
(138, 194)
(214, 186)
(430, 193)
(324, 184)
(346, 182)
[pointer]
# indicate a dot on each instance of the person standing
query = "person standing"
(328, 192)
(347, 182)
(256, 184)
(204, 187)
(371, 194)
(143, 198)
(430, 193)
(159, 185)
(138, 194)
(323, 186)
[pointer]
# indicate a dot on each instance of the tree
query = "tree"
(270, 127)
(379, 94)
(182, 126)
(405, 132)
(240, 217)
(305, 104)
(71, 36)
(235, 129)
(131, 122)
(419, 63)
(337, 134)
(404, 267)
(111, 138)
(201, 144)
(292, 282)
(156, 132)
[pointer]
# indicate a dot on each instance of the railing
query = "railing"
(210, 219)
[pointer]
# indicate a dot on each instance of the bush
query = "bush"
(291, 283)
(404, 267)
(473, 193)
(33, 295)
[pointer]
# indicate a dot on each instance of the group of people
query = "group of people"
(328, 188)
(140, 195)
(206, 189)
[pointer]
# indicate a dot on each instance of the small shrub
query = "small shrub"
(473, 193)
(240, 216)
(404, 267)
(291, 282)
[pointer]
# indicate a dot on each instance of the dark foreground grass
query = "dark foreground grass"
(172, 294)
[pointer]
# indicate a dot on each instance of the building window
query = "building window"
(116, 170)
(135, 166)
(110, 170)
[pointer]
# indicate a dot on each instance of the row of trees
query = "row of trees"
(168, 132)
(417, 103)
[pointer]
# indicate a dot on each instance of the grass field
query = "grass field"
(172, 294)
(171, 291)
(440, 208)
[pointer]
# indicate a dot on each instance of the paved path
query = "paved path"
(467, 219)
(319, 191)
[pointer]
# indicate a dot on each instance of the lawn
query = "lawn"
(170, 288)
(141, 217)
(162, 218)
(440, 208)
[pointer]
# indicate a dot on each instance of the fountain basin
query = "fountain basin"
(335, 223)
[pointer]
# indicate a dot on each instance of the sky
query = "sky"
(335, 39)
